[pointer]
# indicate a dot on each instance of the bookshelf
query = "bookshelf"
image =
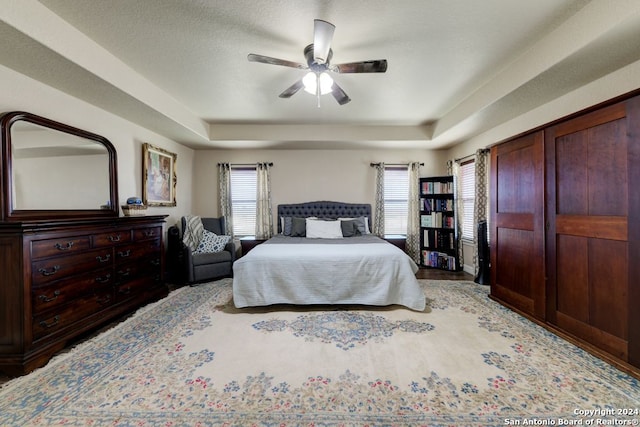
(438, 225)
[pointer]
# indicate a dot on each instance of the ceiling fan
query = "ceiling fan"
(318, 56)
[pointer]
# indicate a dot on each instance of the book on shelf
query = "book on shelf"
(438, 205)
(438, 239)
(436, 187)
(439, 260)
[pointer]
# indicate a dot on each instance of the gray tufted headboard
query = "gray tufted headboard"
(324, 209)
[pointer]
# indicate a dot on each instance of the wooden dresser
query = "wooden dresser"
(61, 278)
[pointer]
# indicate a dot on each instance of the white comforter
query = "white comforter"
(310, 271)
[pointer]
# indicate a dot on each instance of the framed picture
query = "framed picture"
(158, 176)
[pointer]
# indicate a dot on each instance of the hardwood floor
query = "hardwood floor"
(435, 274)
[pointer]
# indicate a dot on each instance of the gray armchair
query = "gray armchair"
(193, 268)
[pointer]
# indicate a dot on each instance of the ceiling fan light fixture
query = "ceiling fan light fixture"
(310, 82)
(322, 37)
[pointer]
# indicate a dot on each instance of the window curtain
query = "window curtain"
(224, 182)
(413, 207)
(480, 202)
(378, 217)
(453, 169)
(264, 216)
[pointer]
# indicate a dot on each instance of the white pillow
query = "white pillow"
(319, 229)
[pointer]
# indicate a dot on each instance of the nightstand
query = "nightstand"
(248, 243)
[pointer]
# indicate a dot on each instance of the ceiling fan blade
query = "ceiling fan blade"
(322, 37)
(252, 57)
(292, 90)
(375, 66)
(339, 94)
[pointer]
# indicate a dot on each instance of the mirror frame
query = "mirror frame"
(7, 213)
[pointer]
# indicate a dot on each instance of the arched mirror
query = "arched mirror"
(55, 171)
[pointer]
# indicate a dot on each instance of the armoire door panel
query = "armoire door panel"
(587, 233)
(607, 166)
(517, 231)
(515, 248)
(608, 285)
(571, 170)
(515, 181)
(602, 227)
(572, 266)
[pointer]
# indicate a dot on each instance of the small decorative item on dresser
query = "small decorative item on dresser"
(134, 210)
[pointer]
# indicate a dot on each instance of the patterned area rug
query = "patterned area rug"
(193, 359)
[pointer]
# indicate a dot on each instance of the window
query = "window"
(396, 200)
(468, 195)
(244, 183)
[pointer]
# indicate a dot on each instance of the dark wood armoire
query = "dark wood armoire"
(565, 228)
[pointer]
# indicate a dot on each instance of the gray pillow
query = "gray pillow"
(286, 230)
(298, 227)
(349, 228)
(361, 224)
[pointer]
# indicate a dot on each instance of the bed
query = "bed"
(318, 266)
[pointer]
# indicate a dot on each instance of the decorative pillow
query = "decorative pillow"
(193, 231)
(349, 228)
(298, 227)
(323, 229)
(286, 225)
(362, 223)
(211, 243)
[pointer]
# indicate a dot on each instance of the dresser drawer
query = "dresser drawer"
(112, 238)
(147, 233)
(134, 288)
(68, 314)
(59, 246)
(125, 253)
(62, 291)
(51, 269)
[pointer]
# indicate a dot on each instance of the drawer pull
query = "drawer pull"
(105, 300)
(155, 262)
(115, 238)
(149, 233)
(51, 272)
(103, 279)
(124, 254)
(106, 258)
(124, 273)
(53, 323)
(45, 298)
(125, 291)
(66, 247)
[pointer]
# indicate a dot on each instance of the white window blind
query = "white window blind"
(468, 194)
(243, 201)
(396, 200)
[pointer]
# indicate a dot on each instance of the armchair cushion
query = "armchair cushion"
(211, 243)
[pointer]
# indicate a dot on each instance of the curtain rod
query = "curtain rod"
(245, 164)
(483, 150)
(393, 164)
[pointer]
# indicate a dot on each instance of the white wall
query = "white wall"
(308, 175)
(25, 94)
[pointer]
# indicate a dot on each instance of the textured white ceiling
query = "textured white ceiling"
(456, 67)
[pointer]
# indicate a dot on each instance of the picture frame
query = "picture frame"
(158, 176)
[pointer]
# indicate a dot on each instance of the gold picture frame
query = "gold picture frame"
(158, 176)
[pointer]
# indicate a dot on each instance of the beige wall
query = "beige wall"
(25, 94)
(308, 175)
(298, 175)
